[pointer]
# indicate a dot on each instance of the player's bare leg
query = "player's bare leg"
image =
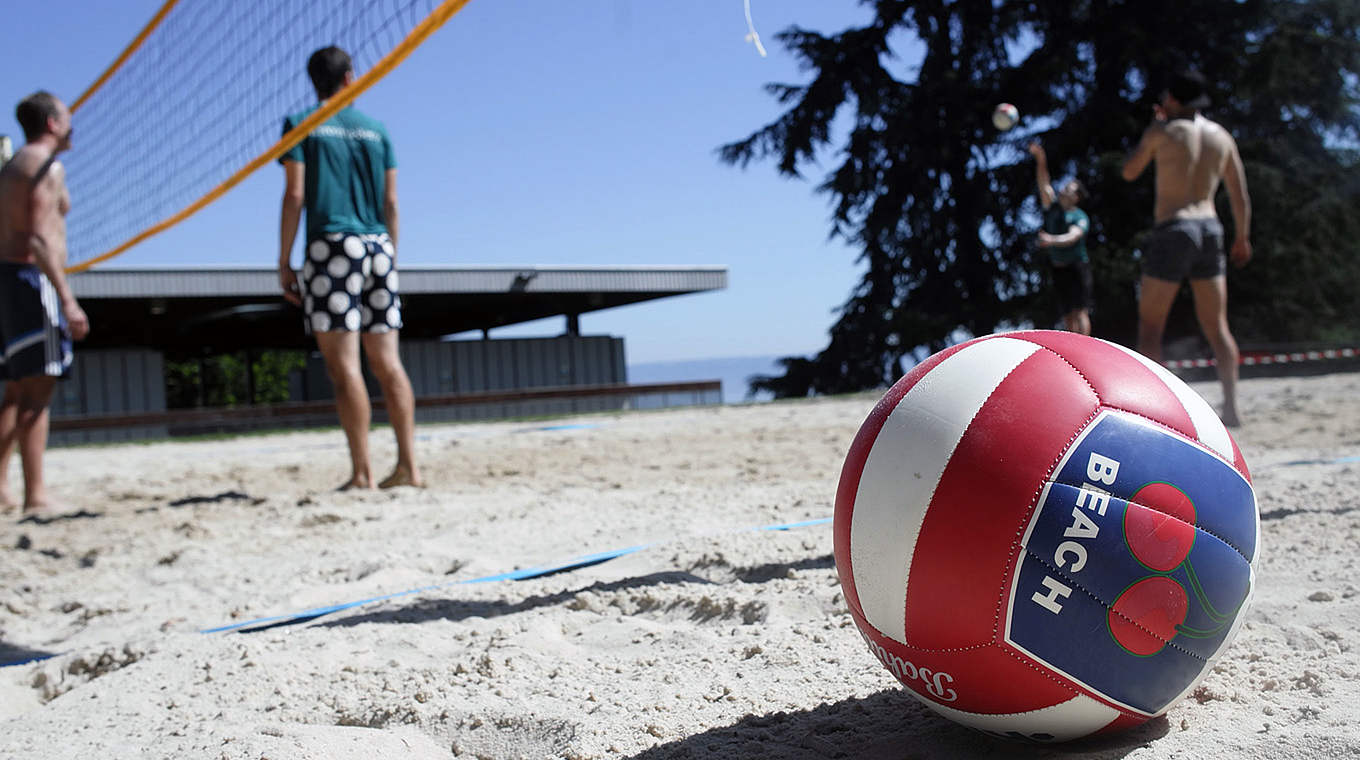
(1077, 321)
(1211, 309)
(9, 430)
(1154, 305)
(34, 394)
(341, 351)
(385, 361)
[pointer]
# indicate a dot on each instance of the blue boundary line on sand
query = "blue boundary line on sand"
(537, 571)
(39, 658)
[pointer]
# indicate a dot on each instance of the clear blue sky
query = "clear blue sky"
(551, 134)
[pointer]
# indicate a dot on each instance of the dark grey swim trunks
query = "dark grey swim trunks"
(1182, 248)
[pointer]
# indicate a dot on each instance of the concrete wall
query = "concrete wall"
(439, 368)
(111, 381)
(128, 381)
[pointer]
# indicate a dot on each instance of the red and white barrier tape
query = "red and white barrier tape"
(1249, 360)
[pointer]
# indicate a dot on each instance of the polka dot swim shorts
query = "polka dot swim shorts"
(350, 284)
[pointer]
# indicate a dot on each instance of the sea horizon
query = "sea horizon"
(732, 371)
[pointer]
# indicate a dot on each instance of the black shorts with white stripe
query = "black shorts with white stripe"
(32, 326)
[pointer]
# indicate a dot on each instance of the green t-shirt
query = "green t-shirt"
(1058, 221)
(347, 159)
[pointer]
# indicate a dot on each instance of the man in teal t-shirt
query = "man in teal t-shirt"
(346, 161)
(1064, 235)
(344, 175)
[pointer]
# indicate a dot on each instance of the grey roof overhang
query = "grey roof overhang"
(216, 310)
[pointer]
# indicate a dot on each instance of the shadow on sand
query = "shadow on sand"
(225, 496)
(889, 725)
(41, 519)
(423, 610)
(13, 654)
(1280, 514)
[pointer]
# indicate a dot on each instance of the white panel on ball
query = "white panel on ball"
(1073, 719)
(917, 432)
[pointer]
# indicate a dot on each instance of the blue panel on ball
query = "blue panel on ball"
(1224, 503)
(1175, 590)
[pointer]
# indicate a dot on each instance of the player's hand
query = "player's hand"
(1241, 251)
(1036, 150)
(1045, 240)
(289, 282)
(76, 321)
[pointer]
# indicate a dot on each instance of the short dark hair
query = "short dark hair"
(1190, 88)
(34, 111)
(327, 68)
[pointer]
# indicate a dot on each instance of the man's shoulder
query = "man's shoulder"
(34, 164)
(1218, 130)
(358, 118)
(297, 118)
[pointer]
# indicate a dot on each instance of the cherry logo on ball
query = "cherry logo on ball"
(1162, 534)
(1146, 617)
(1159, 530)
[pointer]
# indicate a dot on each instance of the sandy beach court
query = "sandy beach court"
(708, 638)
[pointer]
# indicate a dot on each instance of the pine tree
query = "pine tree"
(941, 206)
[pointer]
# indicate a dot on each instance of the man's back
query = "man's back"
(346, 158)
(1191, 159)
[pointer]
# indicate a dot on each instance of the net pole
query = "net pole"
(329, 108)
(127, 53)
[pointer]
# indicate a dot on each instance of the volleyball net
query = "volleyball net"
(196, 103)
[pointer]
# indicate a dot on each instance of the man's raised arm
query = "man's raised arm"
(1041, 176)
(1146, 149)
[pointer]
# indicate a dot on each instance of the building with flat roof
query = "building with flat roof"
(230, 309)
(141, 317)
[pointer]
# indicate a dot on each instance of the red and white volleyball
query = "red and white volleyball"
(1004, 116)
(1044, 535)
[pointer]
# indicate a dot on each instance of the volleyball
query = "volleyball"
(1004, 116)
(1044, 535)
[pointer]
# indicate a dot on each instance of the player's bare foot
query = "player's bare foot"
(356, 484)
(7, 502)
(1230, 418)
(402, 476)
(40, 512)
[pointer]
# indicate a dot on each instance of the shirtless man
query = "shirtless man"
(1193, 155)
(39, 316)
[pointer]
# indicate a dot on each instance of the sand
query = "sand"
(715, 640)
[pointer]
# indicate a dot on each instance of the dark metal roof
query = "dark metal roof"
(217, 310)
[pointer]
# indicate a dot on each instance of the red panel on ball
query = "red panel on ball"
(1239, 461)
(971, 533)
(986, 679)
(1121, 381)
